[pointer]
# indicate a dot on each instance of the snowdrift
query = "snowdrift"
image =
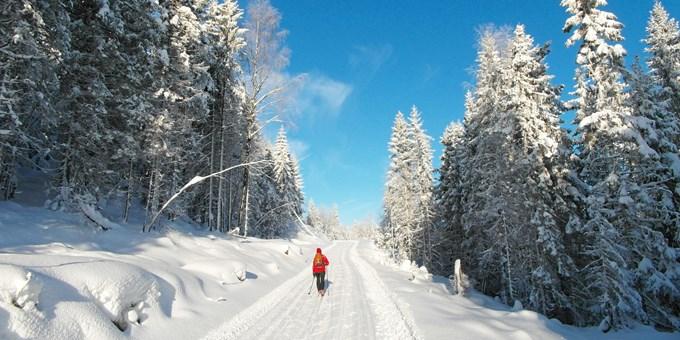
(63, 278)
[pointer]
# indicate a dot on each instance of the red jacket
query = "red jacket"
(320, 266)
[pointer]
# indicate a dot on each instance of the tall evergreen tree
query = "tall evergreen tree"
(421, 190)
(663, 46)
(609, 148)
(288, 181)
(655, 209)
(447, 195)
(33, 36)
(398, 205)
(480, 185)
(539, 149)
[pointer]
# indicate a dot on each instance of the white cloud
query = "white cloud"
(320, 95)
(305, 95)
(369, 59)
(298, 148)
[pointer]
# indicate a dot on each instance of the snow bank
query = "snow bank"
(442, 315)
(18, 287)
(62, 279)
(228, 272)
(124, 292)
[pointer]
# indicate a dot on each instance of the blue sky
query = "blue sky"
(364, 60)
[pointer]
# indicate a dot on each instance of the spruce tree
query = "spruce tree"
(33, 36)
(421, 190)
(398, 204)
(448, 205)
(609, 148)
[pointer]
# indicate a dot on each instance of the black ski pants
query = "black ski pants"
(320, 283)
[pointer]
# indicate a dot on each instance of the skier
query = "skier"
(319, 270)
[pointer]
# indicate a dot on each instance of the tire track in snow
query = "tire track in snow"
(358, 307)
(246, 319)
(393, 316)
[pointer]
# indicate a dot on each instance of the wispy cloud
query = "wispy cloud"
(298, 148)
(304, 95)
(320, 95)
(430, 72)
(368, 59)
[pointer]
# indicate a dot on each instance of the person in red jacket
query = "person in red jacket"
(319, 270)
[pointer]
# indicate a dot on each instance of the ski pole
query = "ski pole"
(309, 291)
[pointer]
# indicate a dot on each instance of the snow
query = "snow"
(60, 278)
(74, 281)
(18, 287)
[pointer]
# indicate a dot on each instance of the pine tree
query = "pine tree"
(609, 146)
(448, 204)
(398, 205)
(663, 45)
(313, 216)
(33, 36)
(539, 149)
(221, 42)
(89, 122)
(421, 187)
(288, 181)
(655, 210)
(481, 185)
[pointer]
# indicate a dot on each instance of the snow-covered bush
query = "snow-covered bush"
(19, 287)
(124, 292)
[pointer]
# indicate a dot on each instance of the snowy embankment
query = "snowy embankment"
(441, 315)
(60, 278)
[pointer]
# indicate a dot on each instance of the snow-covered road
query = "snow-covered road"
(357, 306)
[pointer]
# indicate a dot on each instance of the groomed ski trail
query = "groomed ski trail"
(356, 306)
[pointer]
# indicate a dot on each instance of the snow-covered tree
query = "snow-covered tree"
(447, 223)
(398, 204)
(480, 177)
(33, 35)
(655, 210)
(313, 216)
(222, 40)
(182, 104)
(609, 147)
(539, 150)
(264, 55)
(408, 200)
(421, 187)
(288, 181)
(663, 46)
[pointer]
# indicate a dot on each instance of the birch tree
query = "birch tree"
(264, 56)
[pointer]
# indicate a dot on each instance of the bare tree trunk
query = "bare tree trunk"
(231, 202)
(245, 223)
(211, 184)
(128, 198)
(243, 213)
(245, 158)
(508, 265)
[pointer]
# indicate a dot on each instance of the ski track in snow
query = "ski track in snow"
(357, 305)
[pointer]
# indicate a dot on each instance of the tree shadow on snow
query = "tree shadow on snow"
(168, 293)
(4, 326)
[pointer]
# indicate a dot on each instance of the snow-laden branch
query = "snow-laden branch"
(193, 181)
